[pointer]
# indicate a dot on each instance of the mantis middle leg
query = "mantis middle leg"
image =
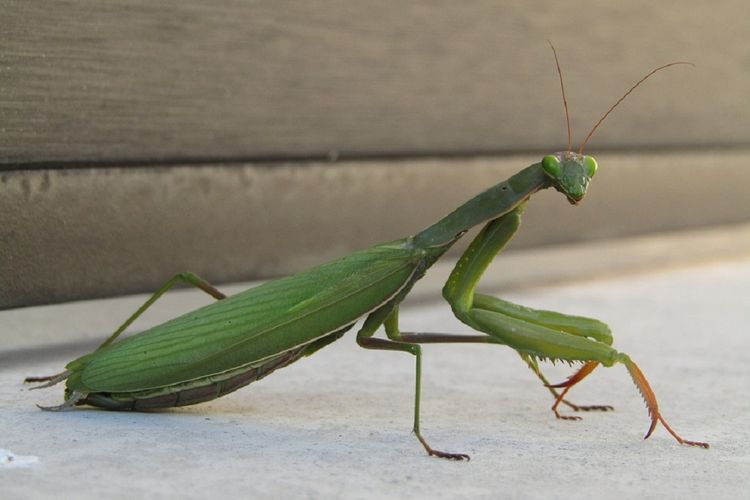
(388, 315)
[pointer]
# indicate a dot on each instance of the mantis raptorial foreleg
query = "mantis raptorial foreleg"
(574, 325)
(577, 342)
(490, 315)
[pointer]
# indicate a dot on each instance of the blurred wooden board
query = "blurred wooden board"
(180, 81)
(83, 233)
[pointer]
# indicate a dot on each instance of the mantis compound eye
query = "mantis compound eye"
(590, 163)
(551, 165)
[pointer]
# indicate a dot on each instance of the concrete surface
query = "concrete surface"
(337, 425)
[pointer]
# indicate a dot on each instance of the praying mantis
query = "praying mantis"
(214, 350)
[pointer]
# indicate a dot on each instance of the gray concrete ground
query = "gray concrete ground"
(337, 425)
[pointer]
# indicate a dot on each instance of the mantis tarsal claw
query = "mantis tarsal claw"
(441, 454)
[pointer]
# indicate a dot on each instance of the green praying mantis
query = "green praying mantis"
(214, 350)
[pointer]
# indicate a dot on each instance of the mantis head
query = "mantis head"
(570, 173)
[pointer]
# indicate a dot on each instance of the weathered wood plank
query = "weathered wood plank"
(143, 81)
(82, 233)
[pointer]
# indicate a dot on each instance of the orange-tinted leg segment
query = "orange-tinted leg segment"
(532, 364)
(585, 370)
(653, 407)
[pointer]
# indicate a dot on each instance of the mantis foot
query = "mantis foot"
(565, 417)
(588, 407)
(695, 443)
(576, 407)
(449, 456)
(441, 454)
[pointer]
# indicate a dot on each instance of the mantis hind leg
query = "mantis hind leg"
(537, 334)
(185, 277)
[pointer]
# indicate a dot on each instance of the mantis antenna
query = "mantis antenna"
(565, 100)
(583, 144)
